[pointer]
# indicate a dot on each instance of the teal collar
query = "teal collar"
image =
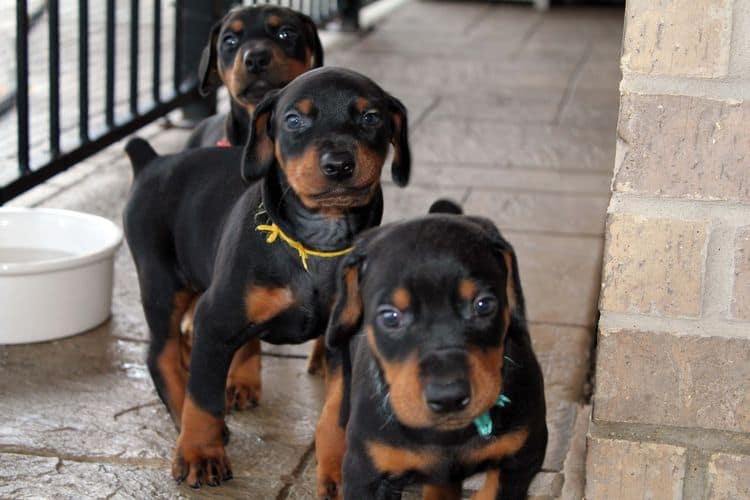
(483, 422)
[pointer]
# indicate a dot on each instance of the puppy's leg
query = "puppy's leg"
(316, 360)
(360, 479)
(434, 492)
(244, 380)
(330, 438)
(491, 487)
(164, 303)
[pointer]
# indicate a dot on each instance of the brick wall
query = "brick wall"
(671, 412)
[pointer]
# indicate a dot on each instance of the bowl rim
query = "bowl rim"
(113, 241)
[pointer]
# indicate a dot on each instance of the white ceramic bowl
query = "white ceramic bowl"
(56, 270)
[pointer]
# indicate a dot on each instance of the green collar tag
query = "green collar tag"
(483, 422)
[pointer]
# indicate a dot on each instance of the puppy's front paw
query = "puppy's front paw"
(242, 395)
(329, 490)
(201, 461)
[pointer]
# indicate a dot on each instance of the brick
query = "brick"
(741, 292)
(654, 266)
(678, 37)
(677, 380)
(683, 147)
(728, 477)
(625, 470)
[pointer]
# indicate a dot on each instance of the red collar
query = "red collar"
(223, 143)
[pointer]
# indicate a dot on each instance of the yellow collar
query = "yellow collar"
(275, 231)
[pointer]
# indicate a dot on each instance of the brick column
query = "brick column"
(671, 412)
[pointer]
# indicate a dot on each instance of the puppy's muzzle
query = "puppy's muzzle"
(445, 380)
(257, 60)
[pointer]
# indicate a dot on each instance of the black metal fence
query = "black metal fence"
(88, 73)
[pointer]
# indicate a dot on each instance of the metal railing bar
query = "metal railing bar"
(83, 70)
(156, 83)
(134, 57)
(109, 106)
(178, 45)
(53, 16)
(22, 85)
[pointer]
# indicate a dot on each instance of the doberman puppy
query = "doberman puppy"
(432, 377)
(252, 51)
(264, 257)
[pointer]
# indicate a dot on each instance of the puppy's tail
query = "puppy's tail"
(445, 206)
(140, 153)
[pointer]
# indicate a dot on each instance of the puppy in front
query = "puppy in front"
(432, 377)
(252, 51)
(263, 256)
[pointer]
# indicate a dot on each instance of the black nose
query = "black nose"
(445, 398)
(337, 164)
(257, 60)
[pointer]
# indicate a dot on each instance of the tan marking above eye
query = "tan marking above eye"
(274, 21)
(305, 106)
(237, 25)
(362, 104)
(467, 289)
(401, 298)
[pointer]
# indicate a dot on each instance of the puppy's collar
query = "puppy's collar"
(483, 422)
(275, 232)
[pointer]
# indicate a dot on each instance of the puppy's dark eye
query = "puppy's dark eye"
(286, 33)
(484, 305)
(229, 41)
(371, 119)
(389, 318)
(293, 121)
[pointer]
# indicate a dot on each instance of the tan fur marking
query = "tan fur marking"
(485, 375)
(274, 21)
(406, 397)
(490, 488)
(264, 146)
(353, 308)
(237, 25)
(467, 289)
(244, 383)
(362, 104)
(316, 358)
(510, 289)
(305, 105)
(401, 298)
(392, 460)
(170, 362)
(434, 492)
(262, 304)
(330, 437)
(498, 448)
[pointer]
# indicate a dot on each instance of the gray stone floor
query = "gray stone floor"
(513, 114)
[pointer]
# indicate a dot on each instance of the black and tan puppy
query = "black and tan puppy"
(435, 379)
(252, 51)
(264, 257)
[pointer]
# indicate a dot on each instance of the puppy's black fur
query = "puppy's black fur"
(429, 326)
(313, 162)
(252, 51)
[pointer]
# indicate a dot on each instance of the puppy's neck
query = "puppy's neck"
(316, 230)
(237, 125)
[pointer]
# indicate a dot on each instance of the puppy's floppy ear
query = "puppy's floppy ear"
(346, 314)
(259, 150)
(504, 251)
(314, 41)
(401, 165)
(208, 73)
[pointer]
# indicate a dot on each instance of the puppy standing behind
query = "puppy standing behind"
(264, 256)
(442, 382)
(252, 51)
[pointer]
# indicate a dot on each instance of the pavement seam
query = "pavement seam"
(570, 88)
(296, 474)
(530, 32)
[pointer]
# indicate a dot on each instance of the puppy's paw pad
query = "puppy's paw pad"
(242, 396)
